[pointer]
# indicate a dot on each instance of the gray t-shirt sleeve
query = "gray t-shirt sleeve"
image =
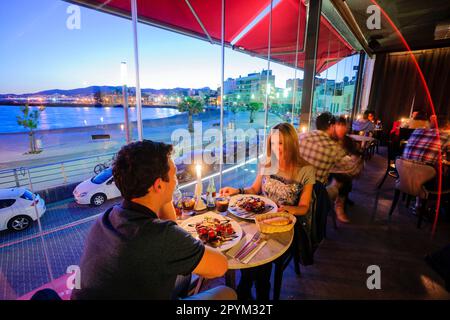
(307, 175)
(181, 251)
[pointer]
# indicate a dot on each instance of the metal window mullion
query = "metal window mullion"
(136, 62)
(41, 236)
(312, 29)
(222, 75)
(266, 107)
(296, 62)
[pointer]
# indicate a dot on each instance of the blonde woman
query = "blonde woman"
(287, 179)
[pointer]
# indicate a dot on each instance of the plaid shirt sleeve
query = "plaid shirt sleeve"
(321, 152)
(424, 146)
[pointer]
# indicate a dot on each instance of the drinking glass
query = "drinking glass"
(176, 199)
(222, 204)
(188, 203)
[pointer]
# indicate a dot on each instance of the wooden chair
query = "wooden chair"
(308, 242)
(412, 184)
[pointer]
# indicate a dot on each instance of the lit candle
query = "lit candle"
(303, 129)
(199, 172)
(199, 204)
(198, 187)
(358, 117)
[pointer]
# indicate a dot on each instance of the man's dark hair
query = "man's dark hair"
(420, 115)
(443, 121)
(366, 114)
(324, 121)
(138, 165)
(342, 121)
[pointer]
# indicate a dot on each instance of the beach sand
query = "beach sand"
(71, 143)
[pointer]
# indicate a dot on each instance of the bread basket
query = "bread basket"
(268, 228)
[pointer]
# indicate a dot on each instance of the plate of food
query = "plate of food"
(246, 206)
(214, 230)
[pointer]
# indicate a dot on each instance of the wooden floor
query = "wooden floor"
(397, 247)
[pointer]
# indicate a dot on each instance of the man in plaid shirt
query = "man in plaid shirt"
(424, 144)
(319, 149)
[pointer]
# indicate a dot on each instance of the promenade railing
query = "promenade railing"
(55, 174)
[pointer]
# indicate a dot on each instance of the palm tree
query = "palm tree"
(235, 109)
(253, 107)
(29, 120)
(191, 106)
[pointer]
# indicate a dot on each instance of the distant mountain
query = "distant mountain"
(103, 90)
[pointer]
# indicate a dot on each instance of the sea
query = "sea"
(60, 117)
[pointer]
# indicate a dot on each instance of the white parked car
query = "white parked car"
(19, 207)
(97, 190)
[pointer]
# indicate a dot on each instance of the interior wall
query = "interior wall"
(397, 88)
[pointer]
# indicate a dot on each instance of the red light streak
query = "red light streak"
(422, 78)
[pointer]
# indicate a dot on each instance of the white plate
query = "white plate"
(189, 226)
(244, 214)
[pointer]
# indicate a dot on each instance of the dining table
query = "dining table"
(361, 139)
(276, 245)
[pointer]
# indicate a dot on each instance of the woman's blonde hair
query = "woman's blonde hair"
(290, 143)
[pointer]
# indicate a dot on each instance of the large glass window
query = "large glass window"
(62, 121)
(68, 103)
(335, 87)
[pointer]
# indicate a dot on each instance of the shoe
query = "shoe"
(339, 209)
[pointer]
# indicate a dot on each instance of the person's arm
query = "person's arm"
(254, 189)
(167, 212)
(303, 204)
(212, 265)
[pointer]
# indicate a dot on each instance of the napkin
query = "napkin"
(232, 252)
(254, 252)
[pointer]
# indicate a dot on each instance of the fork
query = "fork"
(254, 239)
(249, 250)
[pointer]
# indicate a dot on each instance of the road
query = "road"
(65, 225)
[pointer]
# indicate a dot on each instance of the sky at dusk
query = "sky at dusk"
(38, 52)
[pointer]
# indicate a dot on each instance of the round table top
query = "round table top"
(360, 138)
(277, 244)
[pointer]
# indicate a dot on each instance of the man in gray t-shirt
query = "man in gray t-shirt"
(135, 250)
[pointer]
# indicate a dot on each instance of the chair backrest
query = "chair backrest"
(307, 239)
(405, 133)
(321, 208)
(412, 176)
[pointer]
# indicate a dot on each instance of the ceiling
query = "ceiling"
(415, 19)
(246, 26)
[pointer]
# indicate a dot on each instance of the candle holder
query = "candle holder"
(199, 204)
